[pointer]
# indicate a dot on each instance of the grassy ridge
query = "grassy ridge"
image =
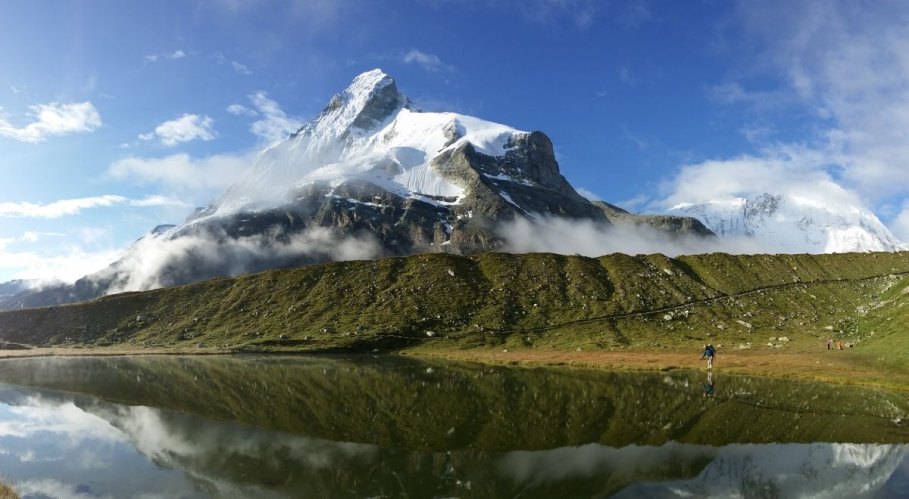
(541, 301)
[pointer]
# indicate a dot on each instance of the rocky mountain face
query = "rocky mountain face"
(372, 175)
(791, 224)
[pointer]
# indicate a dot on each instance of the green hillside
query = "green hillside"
(532, 301)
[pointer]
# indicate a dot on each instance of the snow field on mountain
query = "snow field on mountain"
(395, 155)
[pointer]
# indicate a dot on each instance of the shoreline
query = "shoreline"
(831, 367)
(836, 368)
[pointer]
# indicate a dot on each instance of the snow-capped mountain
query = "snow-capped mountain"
(372, 144)
(789, 223)
(371, 175)
(372, 132)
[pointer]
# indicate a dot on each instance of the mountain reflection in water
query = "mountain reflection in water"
(356, 427)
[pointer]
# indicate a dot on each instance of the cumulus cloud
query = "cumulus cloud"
(846, 65)
(590, 238)
(66, 207)
(201, 177)
(841, 66)
(53, 119)
(159, 261)
(429, 62)
(186, 128)
(273, 124)
(778, 170)
(165, 56)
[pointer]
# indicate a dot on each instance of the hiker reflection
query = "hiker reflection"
(709, 386)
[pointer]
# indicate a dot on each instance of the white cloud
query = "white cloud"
(588, 194)
(53, 119)
(186, 128)
(141, 267)
(165, 56)
(798, 173)
(241, 110)
(779, 169)
(589, 238)
(429, 62)
(68, 265)
(847, 64)
(274, 124)
(202, 178)
(634, 202)
(240, 68)
(900, 224)
(66, 207)
(842, 70)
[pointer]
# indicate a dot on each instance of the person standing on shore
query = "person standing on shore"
(709, 354)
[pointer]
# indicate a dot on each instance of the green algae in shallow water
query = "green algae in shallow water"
(360, 426)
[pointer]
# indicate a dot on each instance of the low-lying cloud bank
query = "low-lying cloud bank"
(186, 254)
(163, 260)
(159, 261)
(590, 238)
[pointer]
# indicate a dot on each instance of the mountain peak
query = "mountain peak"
(369, 82)
(368, 101)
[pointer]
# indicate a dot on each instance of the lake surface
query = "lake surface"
(253, 426)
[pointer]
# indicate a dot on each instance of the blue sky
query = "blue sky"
(118, 116)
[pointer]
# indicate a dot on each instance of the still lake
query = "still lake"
(325, 426)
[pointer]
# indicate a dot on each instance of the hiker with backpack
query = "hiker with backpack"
(709, 354)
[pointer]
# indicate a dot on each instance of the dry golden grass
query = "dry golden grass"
(7, 492)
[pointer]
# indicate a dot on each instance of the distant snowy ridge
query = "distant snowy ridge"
(789, 223)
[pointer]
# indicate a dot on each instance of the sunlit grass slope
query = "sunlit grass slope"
(538, 301)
